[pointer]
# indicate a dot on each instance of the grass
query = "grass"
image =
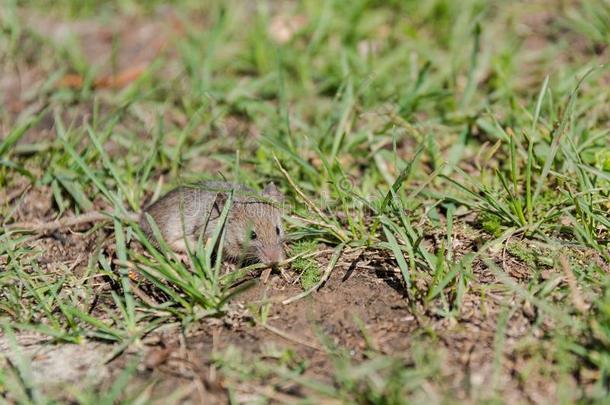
(465, 145)
(307, 267)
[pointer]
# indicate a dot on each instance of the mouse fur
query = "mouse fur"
(254, 230)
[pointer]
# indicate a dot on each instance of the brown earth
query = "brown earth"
(363, 308)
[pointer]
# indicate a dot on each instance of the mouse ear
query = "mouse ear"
(221, 198)
(273, 192)
(219, 204)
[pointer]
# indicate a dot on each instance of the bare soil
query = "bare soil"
(362, 307)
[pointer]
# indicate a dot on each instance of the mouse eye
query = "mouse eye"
(253, 235)
(277, 230)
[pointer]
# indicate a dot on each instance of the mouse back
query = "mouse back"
(254, 225)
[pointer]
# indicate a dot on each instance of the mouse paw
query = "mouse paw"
(183, 258)
(285, 275)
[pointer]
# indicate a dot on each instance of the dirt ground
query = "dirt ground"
(362, 307)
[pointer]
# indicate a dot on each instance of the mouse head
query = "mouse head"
(254, 228)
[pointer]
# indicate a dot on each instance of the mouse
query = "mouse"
(254, 230)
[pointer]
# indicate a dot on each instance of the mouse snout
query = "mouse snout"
(272, 254)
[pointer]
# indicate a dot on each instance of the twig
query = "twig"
(342, 236)
(325, 276)
(296, 188)
(17, 193)
(42, 227)
(320, 224)
(265, 274)
(290, 337)
(143, 296)
(270, 392)
(237, 274)
(577, 299)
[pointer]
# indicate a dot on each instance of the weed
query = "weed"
(308, 268)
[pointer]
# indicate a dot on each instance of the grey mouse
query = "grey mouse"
(254, 230)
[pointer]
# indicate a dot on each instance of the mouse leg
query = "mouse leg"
(267, 272)
(183, 245)
(179, 247)
(284, 275)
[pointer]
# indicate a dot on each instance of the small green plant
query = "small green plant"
(521, 252)
(307, 267)
(491, 223)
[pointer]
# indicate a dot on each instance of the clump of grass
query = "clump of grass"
(532, 256)
(307, 267)
(491, 223)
